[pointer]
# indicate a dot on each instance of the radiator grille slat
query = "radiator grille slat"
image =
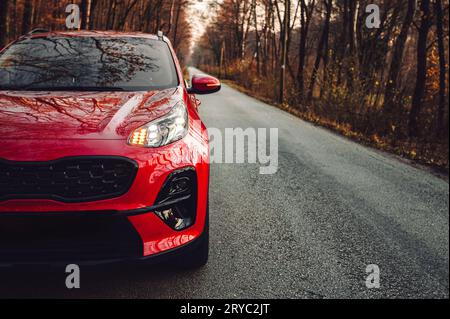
(80, 179)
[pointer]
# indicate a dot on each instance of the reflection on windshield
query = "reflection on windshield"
(87, 63)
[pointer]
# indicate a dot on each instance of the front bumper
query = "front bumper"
(95, 255)
(147, 235)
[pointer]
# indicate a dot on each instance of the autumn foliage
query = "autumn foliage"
(385, 86)
(17, 17)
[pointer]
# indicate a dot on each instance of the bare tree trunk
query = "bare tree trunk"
(284, 41)
(305, 19)
(290, 27)
(110, 18)
(396, 63)
(158, 9)
(3, 22)
(35, 20)
(353, 7)
(93, 6)
(123, 20)
(84, 14)
(442, 68)
(353, 15)
(177, 21)
(222, 56)
(26, 20)
(257, 38)
(421, 76)
(323, 44)
(172, 8)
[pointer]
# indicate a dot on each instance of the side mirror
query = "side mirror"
(204, 84)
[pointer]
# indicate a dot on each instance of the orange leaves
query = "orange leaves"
(432, 73)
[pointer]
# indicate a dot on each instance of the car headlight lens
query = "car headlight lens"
(163, 131)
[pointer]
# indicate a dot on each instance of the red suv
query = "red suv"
(103, 156)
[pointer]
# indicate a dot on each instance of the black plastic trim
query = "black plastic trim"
(73, 158)
(152, 259)
(64, 238)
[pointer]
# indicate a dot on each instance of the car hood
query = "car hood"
(80, 115)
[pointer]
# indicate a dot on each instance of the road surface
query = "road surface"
(309, 231)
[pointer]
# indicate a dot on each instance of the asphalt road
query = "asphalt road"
(308, 231)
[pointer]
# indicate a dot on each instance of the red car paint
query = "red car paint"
(205, 85)
(45, 126)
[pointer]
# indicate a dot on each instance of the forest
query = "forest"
(384, 86)
(17, 17)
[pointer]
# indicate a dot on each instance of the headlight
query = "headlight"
(165, 130)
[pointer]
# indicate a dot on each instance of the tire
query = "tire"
(198, 256)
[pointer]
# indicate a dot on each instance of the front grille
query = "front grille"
(67, 238)
(72, 179)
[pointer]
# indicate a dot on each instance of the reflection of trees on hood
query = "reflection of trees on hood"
(81, 112)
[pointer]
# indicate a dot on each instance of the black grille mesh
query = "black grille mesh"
(72, 179)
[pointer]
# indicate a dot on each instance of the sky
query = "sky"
(200, 18)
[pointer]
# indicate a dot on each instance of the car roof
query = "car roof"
(107, 34)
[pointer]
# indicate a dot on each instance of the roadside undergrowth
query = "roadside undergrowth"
(432, 155)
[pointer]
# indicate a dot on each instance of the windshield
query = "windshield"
(87, 63)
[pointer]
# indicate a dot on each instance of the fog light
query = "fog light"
(174, 218)
(179, 192)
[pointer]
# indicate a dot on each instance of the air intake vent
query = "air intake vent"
(72, 179)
